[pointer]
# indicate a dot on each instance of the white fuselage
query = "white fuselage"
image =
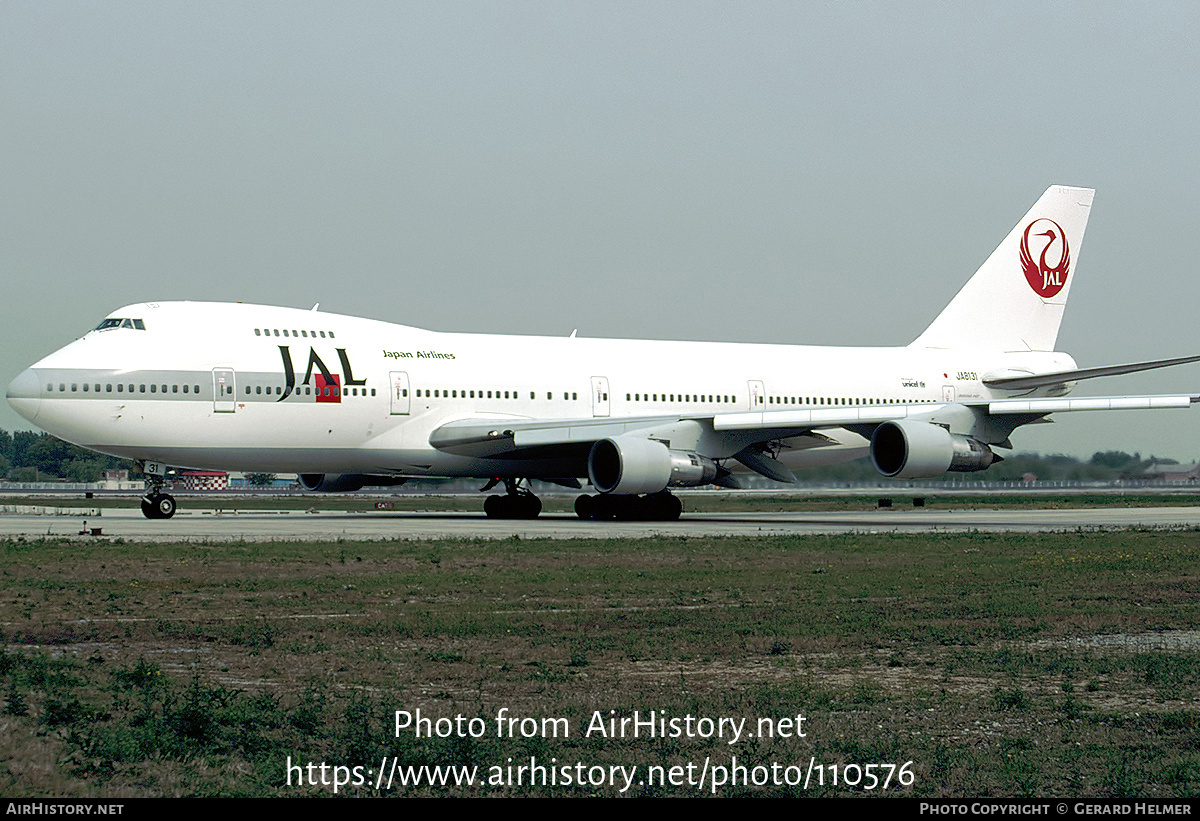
(258, 388)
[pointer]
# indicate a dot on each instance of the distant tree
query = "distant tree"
(83, 470)
(1115, 459)
(52, 457)
(261, 479)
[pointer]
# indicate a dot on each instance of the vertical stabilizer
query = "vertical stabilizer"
(1015, 301)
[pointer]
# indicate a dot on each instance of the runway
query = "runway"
(297, 525)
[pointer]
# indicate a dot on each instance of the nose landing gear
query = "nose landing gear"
(158, 505)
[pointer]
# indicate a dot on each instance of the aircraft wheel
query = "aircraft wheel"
(603, 506)
(165, 506)
(530, 506)
(584, 506)
(494, 507)
(158, 506)
(667, 507)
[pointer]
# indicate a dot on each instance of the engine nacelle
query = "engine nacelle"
(920, 450)
(631, 464)
(346, 482)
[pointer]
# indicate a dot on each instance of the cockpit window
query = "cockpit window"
(112, 322)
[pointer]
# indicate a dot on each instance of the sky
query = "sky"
(816, 173)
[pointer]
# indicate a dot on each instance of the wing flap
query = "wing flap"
(1061, 405)
(805, 420)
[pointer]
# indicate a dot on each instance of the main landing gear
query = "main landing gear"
(653, 507)
(519, 503)
(516, 503)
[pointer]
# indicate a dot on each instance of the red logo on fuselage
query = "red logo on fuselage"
(328, 390)
(1046, 278)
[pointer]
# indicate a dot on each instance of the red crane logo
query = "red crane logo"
(1046, 279)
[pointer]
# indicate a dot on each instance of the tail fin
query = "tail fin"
(1015, 301)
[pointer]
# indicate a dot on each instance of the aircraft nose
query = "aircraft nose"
(25, 394)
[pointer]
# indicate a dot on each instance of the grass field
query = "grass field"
(985, 665)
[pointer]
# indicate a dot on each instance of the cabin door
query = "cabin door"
(600, 404)
(224, 390)
(401, 399)
(757, 394)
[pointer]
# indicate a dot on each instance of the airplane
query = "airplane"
(346, 402)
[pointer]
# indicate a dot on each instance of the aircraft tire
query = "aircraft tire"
(158, 506)
(667, 507)
(530, 506)
(520, 506)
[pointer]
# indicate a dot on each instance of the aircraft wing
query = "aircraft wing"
(728, 433)
(509, 438)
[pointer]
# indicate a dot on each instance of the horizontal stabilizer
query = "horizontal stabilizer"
(1041, 380)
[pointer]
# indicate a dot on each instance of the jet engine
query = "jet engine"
(907, 449)
(345, 482)
(631, 464)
